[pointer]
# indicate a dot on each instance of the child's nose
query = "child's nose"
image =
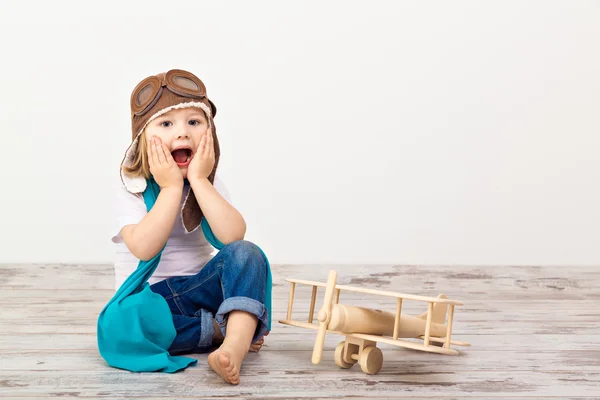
(183, 135)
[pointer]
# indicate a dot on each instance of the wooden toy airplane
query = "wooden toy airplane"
(365, 327)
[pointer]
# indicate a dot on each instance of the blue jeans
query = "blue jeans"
(234, 279)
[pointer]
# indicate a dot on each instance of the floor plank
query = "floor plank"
(394, 359)
(534, 331)
(267, 382)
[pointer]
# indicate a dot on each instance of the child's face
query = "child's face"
(181, 131)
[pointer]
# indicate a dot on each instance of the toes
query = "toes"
(234, 376)
(222, 365)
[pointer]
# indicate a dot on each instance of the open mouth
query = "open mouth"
(182, 156)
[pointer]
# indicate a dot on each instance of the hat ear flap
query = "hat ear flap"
(134, 184)
(213, 108)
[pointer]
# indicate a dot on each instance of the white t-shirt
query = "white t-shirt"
(184, 254)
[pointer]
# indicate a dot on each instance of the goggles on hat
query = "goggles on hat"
(180, 82)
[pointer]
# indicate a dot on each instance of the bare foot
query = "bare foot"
(220, 362)
(227, 359)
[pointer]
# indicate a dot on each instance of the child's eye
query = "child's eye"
(165, 124)
(194, 122)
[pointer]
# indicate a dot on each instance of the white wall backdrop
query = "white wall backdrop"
(439, 132)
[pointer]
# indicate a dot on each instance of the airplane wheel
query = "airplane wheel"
(371, 360)
(339, 357)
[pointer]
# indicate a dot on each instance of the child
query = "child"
(211, 300)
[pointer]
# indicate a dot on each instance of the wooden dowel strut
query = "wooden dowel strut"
(312, 305)
(397, 321)
(428, 326)
(449, 330)
(291, 301)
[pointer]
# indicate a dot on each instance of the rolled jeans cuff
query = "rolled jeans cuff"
(248, 305)
(207, 328)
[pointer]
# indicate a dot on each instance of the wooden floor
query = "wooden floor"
(535, 333)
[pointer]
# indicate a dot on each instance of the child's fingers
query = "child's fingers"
(158, 149)
(160, 155)
(209, 149)
(168, 155)
(153, 154)
(202, 145)
(149, 152)
(156, 155)
(209, 144)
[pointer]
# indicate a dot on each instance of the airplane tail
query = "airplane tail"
(439, 311)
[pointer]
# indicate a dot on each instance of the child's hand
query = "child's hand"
(204, 160)
(162, 166)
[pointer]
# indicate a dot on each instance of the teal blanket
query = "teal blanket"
(135, 329)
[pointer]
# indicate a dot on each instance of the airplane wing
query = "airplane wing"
(379, 292)
(383, 339)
